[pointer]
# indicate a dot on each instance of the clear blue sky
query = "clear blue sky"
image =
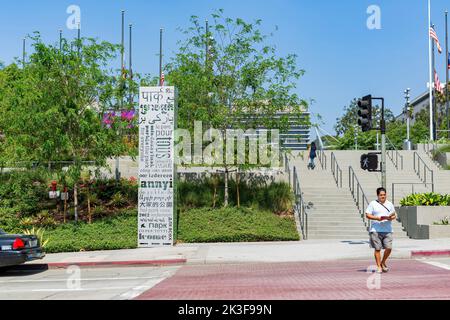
(343, 59)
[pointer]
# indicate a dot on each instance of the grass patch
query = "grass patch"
(195, 226)
(445, 149)
(114, 233)
(235, 225)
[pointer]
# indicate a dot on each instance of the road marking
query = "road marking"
(65, 290)
(82, 280)
(139, 290)
(437, 264)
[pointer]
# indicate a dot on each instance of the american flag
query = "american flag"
(437, 83)
(434, 36)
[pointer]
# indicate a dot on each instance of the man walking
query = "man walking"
(381, 213)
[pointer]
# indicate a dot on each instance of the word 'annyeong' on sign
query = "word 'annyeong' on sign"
(156, 166)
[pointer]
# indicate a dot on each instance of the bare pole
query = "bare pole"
(131, 65)
(447, 66)
(79, 39)
(60, 39)
(433, 59)
(431, 73)
(160, 56)
(122, 73)
(24, 44)
(207, 43)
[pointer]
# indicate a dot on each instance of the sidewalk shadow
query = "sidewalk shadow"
(356, 242)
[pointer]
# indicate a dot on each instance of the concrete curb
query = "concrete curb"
(103, 264)
(431, 253)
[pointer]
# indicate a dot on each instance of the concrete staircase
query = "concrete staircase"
(371, 181)
(333, 213)
(398, 180)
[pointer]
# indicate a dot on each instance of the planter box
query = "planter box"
(435, 231)
(419, 221)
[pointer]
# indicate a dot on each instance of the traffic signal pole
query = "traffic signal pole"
(365, 121)
(383, 145)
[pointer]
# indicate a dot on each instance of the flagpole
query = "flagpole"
(24, 43)
(122, 69)
(433, 55)
(160, 56)
(431, 72)
(131, 66)
(447, 65)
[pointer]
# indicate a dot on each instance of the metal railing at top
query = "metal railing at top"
(336, 170)
(322, 159)
(423, 171)
(395, 156)
(358, 195)
(300, 206)
(413, 191)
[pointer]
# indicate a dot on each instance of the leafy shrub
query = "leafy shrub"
(426, 199)
(235, 225)
(24, 190)
(443, 222)
(114, 233)
(39, 233)
(105, 189)
(118, 200)
(43, 219)
(256, 193)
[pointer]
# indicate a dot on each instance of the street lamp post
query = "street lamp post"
(408, 145)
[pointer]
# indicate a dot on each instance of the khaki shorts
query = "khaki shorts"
(380, 241)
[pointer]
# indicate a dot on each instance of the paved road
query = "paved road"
(343, 280)
(76, 284)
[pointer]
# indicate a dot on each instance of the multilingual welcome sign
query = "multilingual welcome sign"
(157, 175)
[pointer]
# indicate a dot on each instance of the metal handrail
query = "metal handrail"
(336, 170)
(394, 155)
(412, 187)
(358, 195)
(417, 169)
(300, 206)
(322, 159)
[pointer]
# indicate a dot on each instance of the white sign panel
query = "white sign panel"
(157, 112)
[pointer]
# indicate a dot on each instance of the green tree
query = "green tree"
(241, 82)
(52, 109)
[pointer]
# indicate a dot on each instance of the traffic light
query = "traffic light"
(365, 113)
(369, 162)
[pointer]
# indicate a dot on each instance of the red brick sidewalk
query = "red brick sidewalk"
(343, 280)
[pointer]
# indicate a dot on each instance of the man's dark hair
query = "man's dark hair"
(380, 190)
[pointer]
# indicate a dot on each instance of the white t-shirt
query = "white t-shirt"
(376, 209)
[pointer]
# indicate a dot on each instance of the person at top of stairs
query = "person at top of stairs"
(312, 153)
